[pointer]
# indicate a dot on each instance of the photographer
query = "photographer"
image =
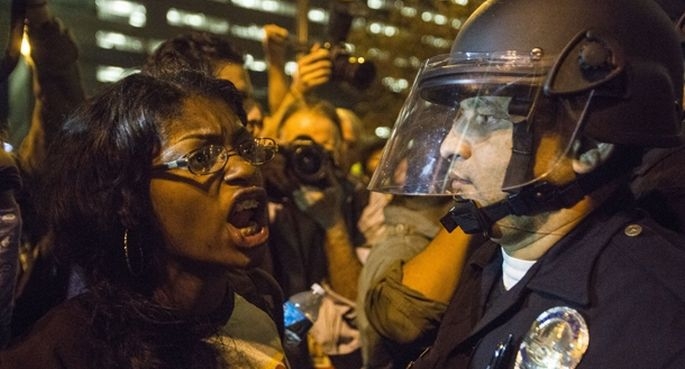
(318, 63)
(313, 213)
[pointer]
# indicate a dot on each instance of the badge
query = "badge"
(556, 340)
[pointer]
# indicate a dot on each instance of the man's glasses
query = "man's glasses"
(211, 159)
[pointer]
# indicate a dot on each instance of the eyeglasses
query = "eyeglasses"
(211, 159)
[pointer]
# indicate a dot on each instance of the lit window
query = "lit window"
(382, 131)
(408, 12)
(318, 15)
(290, 68)
(269, 6)
(252, 32)
(375, 4)
(119, 41)
(196, 20)
(440, 19)
(395, 84)
(122, 11)
(109, 73)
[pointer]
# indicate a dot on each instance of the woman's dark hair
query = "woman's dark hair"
(96, 188)
(196, 50)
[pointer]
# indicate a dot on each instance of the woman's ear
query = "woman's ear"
(590, 155)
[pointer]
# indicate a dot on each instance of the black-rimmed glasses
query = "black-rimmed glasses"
(211, 159)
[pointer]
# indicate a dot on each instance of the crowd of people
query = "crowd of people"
(526, 211)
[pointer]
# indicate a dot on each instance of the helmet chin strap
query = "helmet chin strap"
(532, 199)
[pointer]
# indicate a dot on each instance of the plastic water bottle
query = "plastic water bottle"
(300, 312)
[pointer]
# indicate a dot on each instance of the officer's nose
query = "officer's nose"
(455, 145)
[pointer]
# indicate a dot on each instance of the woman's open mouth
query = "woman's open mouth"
(248, 218)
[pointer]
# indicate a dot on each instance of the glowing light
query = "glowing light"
(25, 49)
(269, 6)
(252, 32)
(118, 41)
(317, 15)
(395, 84)
(391, 31)
(408, 12)
(375, 4)
(122, 11)
(257, 66)
(200, 21)
(440, 19)
(290, 68)
(382, 131)
(108, 73)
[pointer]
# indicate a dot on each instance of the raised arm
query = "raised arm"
(57, 85)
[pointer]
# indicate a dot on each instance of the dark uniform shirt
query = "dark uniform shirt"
(623, 273)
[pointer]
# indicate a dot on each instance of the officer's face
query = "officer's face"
(479, 148)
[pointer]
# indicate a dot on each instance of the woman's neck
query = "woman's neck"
(196, 289)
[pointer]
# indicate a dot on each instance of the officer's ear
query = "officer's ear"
(589, 154)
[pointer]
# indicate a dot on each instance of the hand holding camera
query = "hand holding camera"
(313, 69)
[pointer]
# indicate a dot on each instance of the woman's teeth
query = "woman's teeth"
(251, 229)
(247, 205)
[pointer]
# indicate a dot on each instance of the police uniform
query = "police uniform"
(622, 272)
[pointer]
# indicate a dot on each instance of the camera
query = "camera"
(307, 161)
(355, 70)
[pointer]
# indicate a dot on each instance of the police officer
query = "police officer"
(534, 122)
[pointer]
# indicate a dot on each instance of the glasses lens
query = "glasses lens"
(209, 159)
(258, 151)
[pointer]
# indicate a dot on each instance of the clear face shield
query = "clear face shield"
(467, 117)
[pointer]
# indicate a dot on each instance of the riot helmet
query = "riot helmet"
(611, 71)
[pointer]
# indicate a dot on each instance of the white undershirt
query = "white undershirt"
(513, 269)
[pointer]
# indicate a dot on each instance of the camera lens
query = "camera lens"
(308, 161)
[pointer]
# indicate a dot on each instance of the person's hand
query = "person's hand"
(275, 44)
(313, 69)
(324, 205)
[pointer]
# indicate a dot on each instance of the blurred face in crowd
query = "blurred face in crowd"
(238, 75)
(317, 126)
(210, 219)
(351, 134)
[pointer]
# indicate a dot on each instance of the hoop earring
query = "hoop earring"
(127, 257)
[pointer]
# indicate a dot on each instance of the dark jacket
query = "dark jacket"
(623, 273)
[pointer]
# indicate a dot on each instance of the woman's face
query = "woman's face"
(215, 219)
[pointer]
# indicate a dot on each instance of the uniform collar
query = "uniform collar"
(566, 269)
